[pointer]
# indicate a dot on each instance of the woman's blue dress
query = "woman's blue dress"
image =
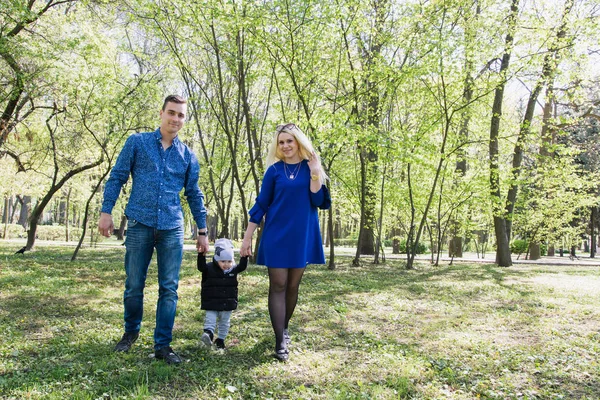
(291, 236)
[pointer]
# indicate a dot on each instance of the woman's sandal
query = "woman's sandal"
(282, 354)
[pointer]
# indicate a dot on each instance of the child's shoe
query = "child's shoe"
(220, 344)
(207, 338)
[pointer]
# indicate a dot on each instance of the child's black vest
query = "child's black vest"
(219, 290)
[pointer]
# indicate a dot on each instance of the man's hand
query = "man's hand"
(202, 244)
(105, 225)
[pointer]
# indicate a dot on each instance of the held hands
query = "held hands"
(246, 249)
(105, 225)
(202, 244)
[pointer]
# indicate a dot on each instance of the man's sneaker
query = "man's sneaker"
(207, 338)
(286, 337)
(126, 341)
(220, 343)
(166, 353)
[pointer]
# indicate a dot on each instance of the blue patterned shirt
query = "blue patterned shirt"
(158, 175)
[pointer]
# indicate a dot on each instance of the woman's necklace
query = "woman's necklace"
(291, 175)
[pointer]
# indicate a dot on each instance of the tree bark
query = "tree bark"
(593, 216)
(24, 213)
(534, 251)
(455, 244)
(68, 203)
(122, 225)
(503, 258)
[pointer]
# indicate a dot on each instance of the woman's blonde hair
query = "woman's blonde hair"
(305, 147)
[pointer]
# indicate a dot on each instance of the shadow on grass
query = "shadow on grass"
(60, 321)
(97, 371)
(373, 278)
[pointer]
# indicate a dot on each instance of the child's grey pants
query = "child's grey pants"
(210, 322)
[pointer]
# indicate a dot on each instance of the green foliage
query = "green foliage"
(421, 247)
(381, 110)
(519, 246)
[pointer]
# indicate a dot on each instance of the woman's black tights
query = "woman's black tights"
(283, 296)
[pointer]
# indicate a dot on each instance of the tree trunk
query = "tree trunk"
(13, 209)
(366, 244)
(68, 203)
(502, 245)
(6, 211)
(534, 251)
(593, 214)
(456, 242)
(455, 247)
(24, 214)
(122, 225)
(503, 258)
(36, 215)
(5, 217)
(331, 265)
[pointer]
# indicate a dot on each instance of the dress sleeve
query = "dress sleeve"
(321, 199)
(265, 197)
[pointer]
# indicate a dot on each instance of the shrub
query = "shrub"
(12, 231)
(346, 242)
(56, 232)
(351, 242)
(518, 246)
(421, 247)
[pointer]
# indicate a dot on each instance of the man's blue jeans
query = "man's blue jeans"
(140, 243)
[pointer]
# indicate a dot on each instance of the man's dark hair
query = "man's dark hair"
(173, 98)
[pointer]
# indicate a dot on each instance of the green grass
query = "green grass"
(370, 332)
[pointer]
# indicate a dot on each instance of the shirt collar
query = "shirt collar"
(158, 137)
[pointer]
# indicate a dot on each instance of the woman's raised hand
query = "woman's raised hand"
(314, 163)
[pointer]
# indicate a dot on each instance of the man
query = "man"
(160, 166)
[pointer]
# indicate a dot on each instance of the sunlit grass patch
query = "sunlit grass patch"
(369, 332)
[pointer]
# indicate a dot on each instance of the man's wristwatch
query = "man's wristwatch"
(205, 233)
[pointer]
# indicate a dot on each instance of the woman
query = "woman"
(292, 190)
